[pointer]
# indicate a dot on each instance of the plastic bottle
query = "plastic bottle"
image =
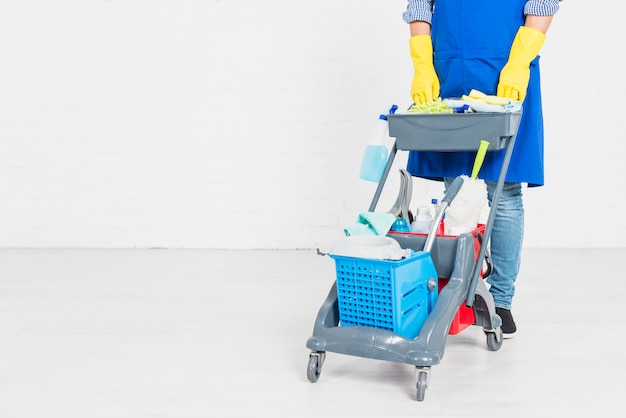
(423, 220)
(376, 153)
(442, 225)
(435, 204)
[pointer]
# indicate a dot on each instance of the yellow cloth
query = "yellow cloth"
(515, 75)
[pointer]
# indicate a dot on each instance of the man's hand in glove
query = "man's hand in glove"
(515, 75)
(425, 86)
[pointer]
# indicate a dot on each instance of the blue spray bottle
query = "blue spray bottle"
(376, 153)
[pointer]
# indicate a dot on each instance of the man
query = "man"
(491, 46)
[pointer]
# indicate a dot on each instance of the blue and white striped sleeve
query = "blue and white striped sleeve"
(541, 7)
(419, 10)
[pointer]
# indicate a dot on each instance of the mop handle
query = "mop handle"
(480, 157)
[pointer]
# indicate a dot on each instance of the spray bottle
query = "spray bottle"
(376, 153)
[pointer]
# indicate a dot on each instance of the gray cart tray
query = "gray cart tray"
(452, 132)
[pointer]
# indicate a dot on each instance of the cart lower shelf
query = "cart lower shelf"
(423, 351)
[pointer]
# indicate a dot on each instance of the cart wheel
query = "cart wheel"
(494, 339)
(314, 369)
(422, 383)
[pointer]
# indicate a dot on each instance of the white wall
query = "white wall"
(241, 124)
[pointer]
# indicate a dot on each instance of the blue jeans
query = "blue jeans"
(505, 242)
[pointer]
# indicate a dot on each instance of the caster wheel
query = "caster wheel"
(494, 339)
(314, 368)
(422, 384)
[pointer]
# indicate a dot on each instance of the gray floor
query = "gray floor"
(174, 333)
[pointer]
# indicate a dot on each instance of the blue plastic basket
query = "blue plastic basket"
(388, 294)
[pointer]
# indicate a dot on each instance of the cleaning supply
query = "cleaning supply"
(370, 223)
(489, 99)
(477, 101)
(400, 207)
(400, 225)
(376, 153)
(425, 86)
(423, 220)
(480, 158)
(442, 222)
(435, 230)
(515, 75)
(366, 247)
(464, 213)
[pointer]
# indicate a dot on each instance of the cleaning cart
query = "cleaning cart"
(403, 310)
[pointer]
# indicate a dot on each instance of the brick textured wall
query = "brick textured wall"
(202, 124)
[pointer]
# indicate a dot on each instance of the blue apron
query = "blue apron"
(471, 43)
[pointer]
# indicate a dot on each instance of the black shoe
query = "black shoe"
(508, 325)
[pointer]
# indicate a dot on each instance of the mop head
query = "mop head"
(464, 212)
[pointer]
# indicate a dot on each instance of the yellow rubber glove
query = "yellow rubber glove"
(515, 75)
(425, 86)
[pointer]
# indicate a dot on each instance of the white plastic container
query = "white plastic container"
(423, 220)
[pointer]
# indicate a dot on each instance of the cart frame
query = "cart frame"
(453, 255)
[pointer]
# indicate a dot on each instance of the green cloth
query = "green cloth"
(371, 223)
